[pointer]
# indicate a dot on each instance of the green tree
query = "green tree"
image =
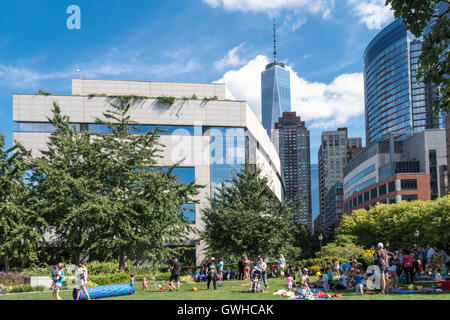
(147, 202)
(68, 185)
(396, 223)
(246, 218)
(20, 226)
(303, 239)
(434, 62)
(102, 192)
(343, 248)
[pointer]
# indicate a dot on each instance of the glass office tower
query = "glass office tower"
(394, 100)
(275, 94)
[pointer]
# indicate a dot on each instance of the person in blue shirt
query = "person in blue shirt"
(59, 281)
(359, 282)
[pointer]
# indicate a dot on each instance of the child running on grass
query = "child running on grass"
(359, 282)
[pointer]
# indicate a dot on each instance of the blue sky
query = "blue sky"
(321, 41)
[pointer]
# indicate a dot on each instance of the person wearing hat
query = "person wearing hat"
(211, 272)
(383, 263)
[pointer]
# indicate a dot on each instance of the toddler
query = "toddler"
(132, 280)
(359, 282)
(144, 283)
(304, 288)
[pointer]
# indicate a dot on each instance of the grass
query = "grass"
(232, 290)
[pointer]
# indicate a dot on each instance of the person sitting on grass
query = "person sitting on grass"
(342, 283)
(437, 275)
(303, 288)
(359, 282)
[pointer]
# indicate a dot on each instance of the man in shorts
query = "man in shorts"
(175, 269)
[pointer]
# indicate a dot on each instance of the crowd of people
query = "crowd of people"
(392, 265)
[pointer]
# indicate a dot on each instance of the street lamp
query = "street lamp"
(320, 239)
(416, 234)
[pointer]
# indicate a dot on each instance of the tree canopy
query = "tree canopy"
(105, 192)
(246, 218)
(396, 224)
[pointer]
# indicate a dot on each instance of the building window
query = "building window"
(360, 199)
(366, 196)
(409, 197)
(373, 193)
(391, 186)
(382, 190)
(409, 184)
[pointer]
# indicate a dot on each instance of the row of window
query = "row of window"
(405, 184)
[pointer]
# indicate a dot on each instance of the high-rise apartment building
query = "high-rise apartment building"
(291, 137)
(335, 151)
(275, 91)
(394, 100)
(315, 205)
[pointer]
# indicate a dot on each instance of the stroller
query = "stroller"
(255, 285)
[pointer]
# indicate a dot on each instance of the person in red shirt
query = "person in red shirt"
(408, 266)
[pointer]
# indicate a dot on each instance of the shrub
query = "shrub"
(186, 279)
(11, 279)
(97, 268)
(107, 279)
(162, 276)
(140, 269)
(22, 288)
(38, 271)
(3, 289)
(90, 284)
(166, 100)
(39, 288)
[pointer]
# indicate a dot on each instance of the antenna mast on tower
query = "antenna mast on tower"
(274, 42)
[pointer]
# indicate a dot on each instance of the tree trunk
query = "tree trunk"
(122, 260)
(6, 262)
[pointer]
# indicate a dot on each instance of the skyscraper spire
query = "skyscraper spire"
(274, 42)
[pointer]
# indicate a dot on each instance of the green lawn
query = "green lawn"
(231, 290)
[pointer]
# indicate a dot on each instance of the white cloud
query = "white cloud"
(245, 83)
(373, 13)
(232, 59)
(112, 64)
(324, 105)
(271, 6)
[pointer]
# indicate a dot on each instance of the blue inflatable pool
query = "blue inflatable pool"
(115, 290)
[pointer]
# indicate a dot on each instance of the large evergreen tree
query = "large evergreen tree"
(20, 227)
(434, 62)
(103, 191)
(246, 218)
